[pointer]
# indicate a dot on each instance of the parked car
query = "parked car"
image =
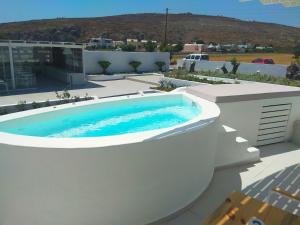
(197, 57)
(263, 61)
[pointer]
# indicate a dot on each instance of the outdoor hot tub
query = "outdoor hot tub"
(125, 160)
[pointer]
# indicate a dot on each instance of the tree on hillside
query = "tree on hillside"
(150, 46)
(296, 51)
(199, 41)
(165, 48)
(128, 48)
(178, 47)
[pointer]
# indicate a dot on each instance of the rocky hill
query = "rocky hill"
(182, 27)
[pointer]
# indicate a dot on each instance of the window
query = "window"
(197, 57)
(204, 57)
(192, 57)
(269, 61)
(188, 57)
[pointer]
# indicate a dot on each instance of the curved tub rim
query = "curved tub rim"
(210, 112)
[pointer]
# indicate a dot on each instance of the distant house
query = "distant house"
(101, 43)
(229, 48)
(264, 48)
(214, 47)
(117, 43)
(145, 41)
(194, 48)
(244, 47)
(132, 41)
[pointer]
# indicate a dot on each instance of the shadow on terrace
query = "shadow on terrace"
(49, 85)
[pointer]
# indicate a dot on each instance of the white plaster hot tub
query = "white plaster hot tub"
(133, 178)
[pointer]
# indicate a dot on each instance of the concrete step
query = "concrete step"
(233, 149)
(228, 129)
(227, 132)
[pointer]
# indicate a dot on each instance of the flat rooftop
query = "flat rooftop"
(242, 92)
(23, 43)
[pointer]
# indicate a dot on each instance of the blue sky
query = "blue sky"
(19, 10)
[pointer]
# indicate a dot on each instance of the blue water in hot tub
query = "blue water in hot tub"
(107, 119)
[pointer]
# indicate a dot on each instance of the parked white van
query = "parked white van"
(197, 57)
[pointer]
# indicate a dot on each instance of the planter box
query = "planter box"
(105, 77)
(6, 109)
(179, 83)
(117, 76)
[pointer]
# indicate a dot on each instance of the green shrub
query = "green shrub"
(65, 95)
(160, 65)
(239, 76)
(150, 46)
(135, 65)
(21, 106)
(47, 103)
(235, 65)
(296, 51)
(104, 65)
(36, 105)
(128, 48)
(3, 111)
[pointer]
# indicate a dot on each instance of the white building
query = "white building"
(131, 40)
(194, 48)
(101, 42)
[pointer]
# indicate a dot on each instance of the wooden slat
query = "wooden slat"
(239, 209)
(287, 194)
(274, 119)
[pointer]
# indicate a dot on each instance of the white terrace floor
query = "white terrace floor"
(95, 88)
(279, 166)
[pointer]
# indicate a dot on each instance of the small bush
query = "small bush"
(160, 65)
(76, 98)
(21, 106)
(104, 65)
(135, 65)
(150, 46)
(128, 48)
(3, 111)
(235, 65)
(65, 95)
(47, 103)
(36, 105)
(239, 76)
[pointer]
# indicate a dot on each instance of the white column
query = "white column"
(11, 62)
(83, 65)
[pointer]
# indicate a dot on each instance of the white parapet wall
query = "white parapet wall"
(276, 70)
(120, 61)
(129, 179)
(262, 121)
(261, 113)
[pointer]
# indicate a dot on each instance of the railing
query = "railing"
(41, 42)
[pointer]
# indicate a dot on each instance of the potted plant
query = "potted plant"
(160, 65)
(104, 65)
(235, 65)
(135, 65)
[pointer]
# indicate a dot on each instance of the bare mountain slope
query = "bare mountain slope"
(182, 27)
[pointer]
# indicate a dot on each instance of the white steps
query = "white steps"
(233, 149)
